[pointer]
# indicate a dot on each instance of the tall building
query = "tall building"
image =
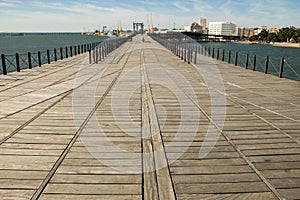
(238, 31)
(221, 28)
(248, 32)
(203, 23)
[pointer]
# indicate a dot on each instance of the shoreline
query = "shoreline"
(286, 45)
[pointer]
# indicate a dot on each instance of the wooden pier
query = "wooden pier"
(132, 127)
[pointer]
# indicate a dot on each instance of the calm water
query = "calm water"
(291, 55)
(10, 45)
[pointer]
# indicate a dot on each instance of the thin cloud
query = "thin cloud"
(181, 7)
(4, 4)
(75, 8)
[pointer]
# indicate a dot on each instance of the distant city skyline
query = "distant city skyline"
(88, 15)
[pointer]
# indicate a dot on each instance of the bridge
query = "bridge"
(141, 123)
(200, 37)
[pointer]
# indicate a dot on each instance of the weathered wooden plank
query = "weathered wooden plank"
(23, 175)
(221, 188)
(19, 184)
(278, 165)
(284, 173)
(233, 196)
(210, 170)
(207, 162)
(286, 183)
(97, 179)
(89, 197)
(16, 194)
(263, 152)
(215, 178)
(292, 193)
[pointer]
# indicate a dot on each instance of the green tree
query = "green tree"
(263, 35)
(272, 37)
(285, 34)
(296, 36)
(253, 38)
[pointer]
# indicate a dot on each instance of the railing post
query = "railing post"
(71, 51)
(29, 60)
(213, 53)
(185, 51)
(189, 55)
(223, 55)
(78, 49)
(195, 58)
(181, 50)
(3, 64)
(281, 67)
(208, 51)
(236, 58)
(247, 61)
(254, 63)
(18, 62)
(229, 57)
(100, 52)
(97, 55)
(48, 56)
(267, 65)
(75, 50)
(39, 59)
(55, 55)
(90, 57)
(218, 54)
(67, 52)
(61, 54)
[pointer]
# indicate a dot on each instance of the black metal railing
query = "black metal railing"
(100, 51)
(188, 51)
(18, 62)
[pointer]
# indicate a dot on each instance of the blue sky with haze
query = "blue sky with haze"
(38, 15)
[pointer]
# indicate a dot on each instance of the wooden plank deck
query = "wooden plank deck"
(132, 127)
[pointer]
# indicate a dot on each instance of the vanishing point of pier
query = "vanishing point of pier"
(143, 124)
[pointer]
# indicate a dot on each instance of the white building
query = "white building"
(238, 31)
(221, 28)
(260, 29)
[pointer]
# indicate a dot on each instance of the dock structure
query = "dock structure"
(144, 124)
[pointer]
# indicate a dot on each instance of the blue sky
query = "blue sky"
(80, 15)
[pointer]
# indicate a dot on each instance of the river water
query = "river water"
(9, 45)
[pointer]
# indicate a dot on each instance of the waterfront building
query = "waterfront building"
(221, 28)
(194, 27)
(238, 31)
(260, 29)
(274, 30)
(203, 23)
(248, 32)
